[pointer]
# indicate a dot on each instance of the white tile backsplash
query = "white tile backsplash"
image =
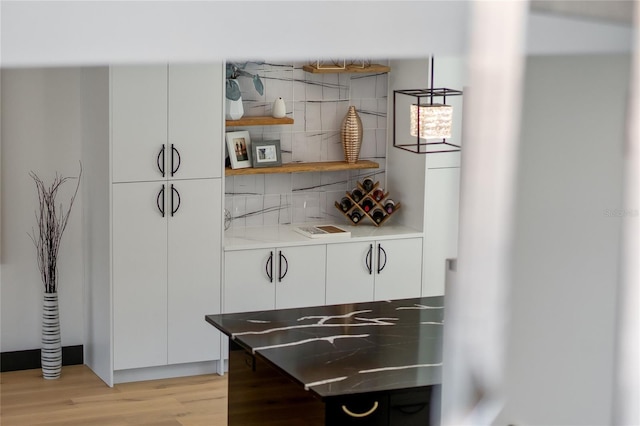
(318, 104)
(278, 183)
(313, 116)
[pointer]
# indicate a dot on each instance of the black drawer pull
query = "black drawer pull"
(280, 274)
(269, 267)
(411, 409)
(359, 415)
(161, 162)
(174, 207)
(381, 251)
(175, 168)
(160, 195)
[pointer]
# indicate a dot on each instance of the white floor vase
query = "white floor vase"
(51, 351)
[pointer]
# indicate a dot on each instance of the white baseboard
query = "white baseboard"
(166, 372)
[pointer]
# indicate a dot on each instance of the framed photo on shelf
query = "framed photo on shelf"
(239, 147)
(266, 153)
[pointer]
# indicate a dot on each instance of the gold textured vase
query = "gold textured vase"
(351, 133)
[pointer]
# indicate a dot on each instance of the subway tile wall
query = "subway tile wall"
(318, 104)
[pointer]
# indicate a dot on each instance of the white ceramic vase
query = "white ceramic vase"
(234, 109)
(51, 351)
(279, 110)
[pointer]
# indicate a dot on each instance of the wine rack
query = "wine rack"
(369, 199)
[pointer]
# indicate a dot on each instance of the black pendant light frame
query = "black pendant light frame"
(421, 145)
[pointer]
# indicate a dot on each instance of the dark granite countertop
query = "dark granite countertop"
(347, 349)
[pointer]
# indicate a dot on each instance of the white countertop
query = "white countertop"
(284, 235)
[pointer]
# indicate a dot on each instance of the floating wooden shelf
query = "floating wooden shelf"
(373, 68)
(323, 166)
(259, 121)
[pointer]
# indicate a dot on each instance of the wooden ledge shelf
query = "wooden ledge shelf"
(373, 68)
(323, 166)
(259, 121)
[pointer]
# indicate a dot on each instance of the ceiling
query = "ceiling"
(614, 11)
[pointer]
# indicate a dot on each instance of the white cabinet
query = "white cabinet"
(375, 270)
(399, 269)
(442, 195)
(195, 112)
(165, 122)
(350, 272)
(138, 122)
(165, 277)
(139, 277)
(194, 257)
(285, 277)
(167, 232)
(157, 242)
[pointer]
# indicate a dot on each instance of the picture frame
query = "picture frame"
(239, 147)
(266, 153)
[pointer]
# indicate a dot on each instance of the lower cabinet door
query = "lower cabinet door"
(249, 280)
(300, 276)
(194, 269)
(280, 278)
(398, 268)
(139, 275)
(350, 272)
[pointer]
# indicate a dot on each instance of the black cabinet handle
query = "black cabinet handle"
(286, 262)
(368, 259)
(381, 251)
(269, 267)
(174, 209)
(411, 409)
(177, 165)
(160, 195)
(161, 162)
(360, 415)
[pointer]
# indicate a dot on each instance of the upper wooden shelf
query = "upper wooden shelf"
(259, 121)
(373, 68)
(323, 166)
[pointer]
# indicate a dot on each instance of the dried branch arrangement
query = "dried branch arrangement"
(51, 223)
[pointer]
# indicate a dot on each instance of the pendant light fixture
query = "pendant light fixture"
(430, 119)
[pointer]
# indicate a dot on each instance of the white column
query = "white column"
(627, 391)
(475, 331)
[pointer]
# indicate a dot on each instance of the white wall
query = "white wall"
(560, 354)
(41, 133)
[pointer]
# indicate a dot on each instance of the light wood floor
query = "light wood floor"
(79, 397)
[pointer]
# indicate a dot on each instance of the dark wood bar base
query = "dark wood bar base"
(261, 395)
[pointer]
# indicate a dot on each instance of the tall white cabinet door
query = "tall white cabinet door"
(139, 276)
(195, 121)
(194, 255)
(442, 196)
(247, 286)
(400, 264)
(300, 277)
(350, 272)
(138, 122)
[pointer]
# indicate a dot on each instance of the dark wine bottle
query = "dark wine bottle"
(377, 215)
(356, 216)
(356, 194)
(389, 206)
(367, 184)
(345, 204)
(378, 194)
(367, 205)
